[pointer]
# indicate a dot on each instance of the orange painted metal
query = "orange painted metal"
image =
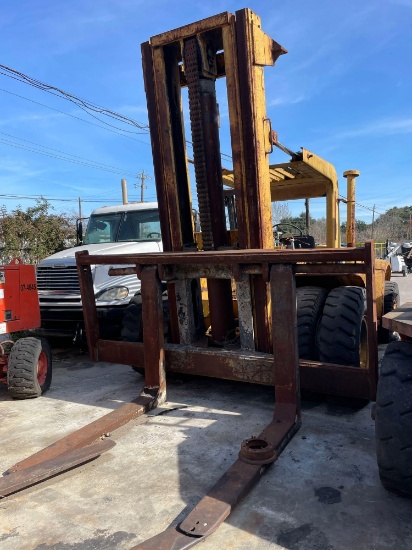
(19, 301)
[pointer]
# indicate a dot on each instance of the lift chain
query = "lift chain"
(192, 63)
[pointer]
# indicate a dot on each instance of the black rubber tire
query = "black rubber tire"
(393, 425)
(132, 324)
(342, 329)
(22, 369)
(391, 300)
(310, 302)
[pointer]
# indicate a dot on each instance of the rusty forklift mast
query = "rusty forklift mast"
(194, 56)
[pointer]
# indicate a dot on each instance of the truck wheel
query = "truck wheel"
(391, 300)
(310, 302)
(132, 324)
(29, 370)
(342, 332)
(393, 427)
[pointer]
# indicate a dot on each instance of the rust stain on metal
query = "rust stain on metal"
(88, 434)
(31, 475)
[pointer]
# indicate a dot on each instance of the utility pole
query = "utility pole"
(143, 177)
(80, 208)
(373, 220)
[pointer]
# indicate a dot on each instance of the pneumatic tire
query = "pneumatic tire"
(29, 369)
(132, 324)
(393, 425)
(310, 303)
(391, 300)
(342, 332)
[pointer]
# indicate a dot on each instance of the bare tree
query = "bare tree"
(280, 211)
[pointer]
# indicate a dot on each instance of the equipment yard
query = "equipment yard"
(323, 492)
(209, 334)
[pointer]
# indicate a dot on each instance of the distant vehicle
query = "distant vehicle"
(123, 229)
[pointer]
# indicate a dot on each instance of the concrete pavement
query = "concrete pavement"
(322, 494)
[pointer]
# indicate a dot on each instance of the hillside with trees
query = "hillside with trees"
(394, 225)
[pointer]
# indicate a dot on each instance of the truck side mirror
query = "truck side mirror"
(79, 232)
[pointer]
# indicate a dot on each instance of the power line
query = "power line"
(84, 104)
(90, 164)
(52, 199)
(363, 206)
(62, 152)
(77, 118)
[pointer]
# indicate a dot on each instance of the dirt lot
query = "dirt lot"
(322, 494)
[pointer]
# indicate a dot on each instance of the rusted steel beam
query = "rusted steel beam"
(371, 318)
(91, 320)
(89, 433)
(217, 505)
(227, 271)
(327, 379)
(153, 334)
(221, 309)
(174, 324)
(219, 502)
(231, 257)
(243, 366)
(204, 25)
(162, 81)
(31, 475)
(399, 320)
(155, 134)
(245, 314)
(285, 335)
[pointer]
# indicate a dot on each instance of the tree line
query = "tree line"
(394, 225)
(34, 233)
(37, 232)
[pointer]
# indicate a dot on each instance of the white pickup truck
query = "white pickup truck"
(123, 229)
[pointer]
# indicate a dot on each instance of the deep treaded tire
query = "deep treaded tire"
(29, 370)
(310, 302)
(132, 325)
(393, 426)
(391, 300)
(342, 330)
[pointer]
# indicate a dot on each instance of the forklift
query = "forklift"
(25, 364)
(251, 286)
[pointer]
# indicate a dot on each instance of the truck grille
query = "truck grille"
(58, 280)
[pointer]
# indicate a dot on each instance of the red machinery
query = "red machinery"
(26, 364)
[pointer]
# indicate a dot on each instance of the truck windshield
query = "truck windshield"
(140, 225)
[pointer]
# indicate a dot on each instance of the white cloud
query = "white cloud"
(383, 127)
(286, 100)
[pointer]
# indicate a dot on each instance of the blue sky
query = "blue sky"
(344, 91)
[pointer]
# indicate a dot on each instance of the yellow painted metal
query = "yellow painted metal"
(309, 177)
(350, 175)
